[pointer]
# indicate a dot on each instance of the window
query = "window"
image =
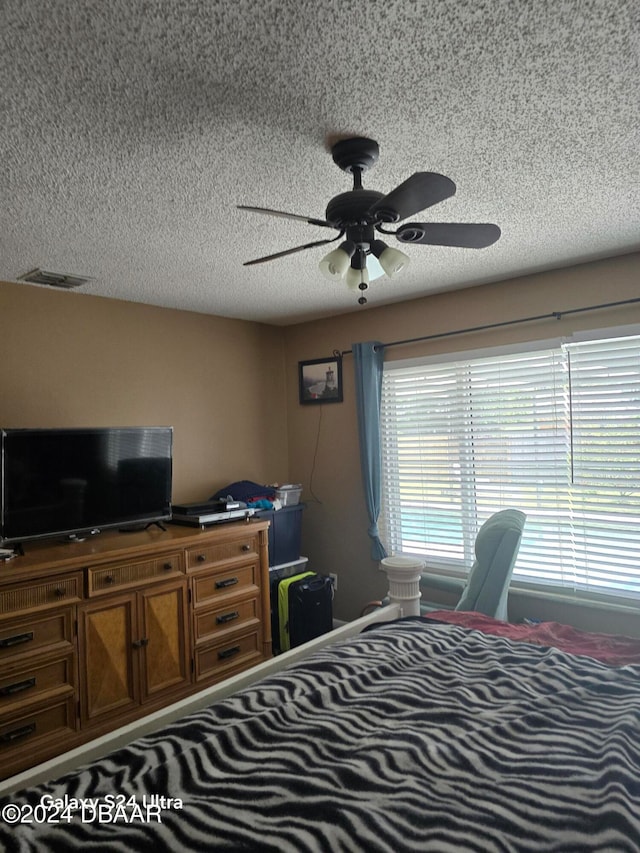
(555, 433)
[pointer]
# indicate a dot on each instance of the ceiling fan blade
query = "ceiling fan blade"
(419, 191)
(309, 219)
(463, 234)
(291, 251)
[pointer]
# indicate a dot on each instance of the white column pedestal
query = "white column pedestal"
(404, 582)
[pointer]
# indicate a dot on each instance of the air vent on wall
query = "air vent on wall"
(54, 279)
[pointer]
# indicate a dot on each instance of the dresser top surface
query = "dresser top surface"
(52, 557)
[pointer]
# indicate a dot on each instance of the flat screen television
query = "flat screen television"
(68, 483)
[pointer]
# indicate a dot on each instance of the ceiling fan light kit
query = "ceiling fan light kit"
(336, 263)
(392, 261)
(359, 213)
(355, 279)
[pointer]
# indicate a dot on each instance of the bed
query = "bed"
(420, 734)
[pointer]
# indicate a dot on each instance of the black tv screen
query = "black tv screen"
(68, 482)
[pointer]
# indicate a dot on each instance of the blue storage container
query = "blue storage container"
(285, 533)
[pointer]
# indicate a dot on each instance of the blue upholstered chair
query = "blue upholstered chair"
(486, 587)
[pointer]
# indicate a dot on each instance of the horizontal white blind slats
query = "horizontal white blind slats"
(555, 433)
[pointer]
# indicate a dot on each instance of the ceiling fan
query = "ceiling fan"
(359, 213)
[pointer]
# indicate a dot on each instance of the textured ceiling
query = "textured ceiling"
(131, 129)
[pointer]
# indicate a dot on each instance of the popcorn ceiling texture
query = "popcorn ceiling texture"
(131, 130)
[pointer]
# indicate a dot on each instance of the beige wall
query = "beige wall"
(68, 359)
(323, 444)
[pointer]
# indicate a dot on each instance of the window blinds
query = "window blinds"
(604, 490)
(554, 433)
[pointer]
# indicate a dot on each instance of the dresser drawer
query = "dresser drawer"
(245, 547)
(30, 682)
(28, 597)
(42, 632)
(208, 624)
(222, 659)
(25, 731)
(104, 579)
(221, 585)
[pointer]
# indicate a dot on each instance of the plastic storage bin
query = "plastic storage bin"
(285, 533)
(289, 495)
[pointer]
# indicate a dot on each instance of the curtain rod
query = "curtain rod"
(553, 315)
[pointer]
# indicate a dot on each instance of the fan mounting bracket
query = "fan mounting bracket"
(355, 155)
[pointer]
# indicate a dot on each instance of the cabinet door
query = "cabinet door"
(108, 658)
(163, 630)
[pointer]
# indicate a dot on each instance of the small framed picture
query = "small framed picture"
(320, 380)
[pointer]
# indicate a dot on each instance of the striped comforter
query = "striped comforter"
(413, 736)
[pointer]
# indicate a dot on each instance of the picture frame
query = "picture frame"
(320, 380)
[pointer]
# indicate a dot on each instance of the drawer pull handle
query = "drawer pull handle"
(227, 617)
(138, 644)
(246, 547)
(16, 640)
(109, 579)
(201, 558)
(18, 687)
(60, 592)
(167, 567)
(227, 582)
(228, 653)
(16, 734)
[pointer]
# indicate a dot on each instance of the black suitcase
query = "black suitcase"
(310, 608)
(279, 595)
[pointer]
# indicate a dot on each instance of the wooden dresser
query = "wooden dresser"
(94, 634)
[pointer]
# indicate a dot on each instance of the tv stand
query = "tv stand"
(16, 550)
(96, 634)
(136, 528)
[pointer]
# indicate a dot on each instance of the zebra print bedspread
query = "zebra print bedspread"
(413, 736)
